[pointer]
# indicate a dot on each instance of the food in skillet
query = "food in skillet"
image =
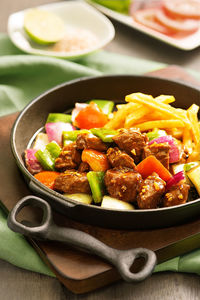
(145, 154)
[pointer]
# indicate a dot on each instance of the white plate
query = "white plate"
(188, 43)
(76, 15)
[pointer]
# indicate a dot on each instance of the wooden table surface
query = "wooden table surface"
(18, 284)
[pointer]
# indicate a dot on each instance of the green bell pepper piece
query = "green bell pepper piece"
(104, 134)
(105, 105)
(54, 149)
(45, 159)
(155, 134)
(57, 117)
(48, 156)
(72, 135)
(121, 6)
(96, 182)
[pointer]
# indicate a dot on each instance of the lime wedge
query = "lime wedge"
(43, 27)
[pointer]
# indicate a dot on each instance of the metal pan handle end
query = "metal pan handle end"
(126, 258)
(37, 231)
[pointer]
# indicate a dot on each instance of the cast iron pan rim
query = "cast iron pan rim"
(61, 198)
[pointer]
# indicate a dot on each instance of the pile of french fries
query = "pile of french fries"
(147, 113)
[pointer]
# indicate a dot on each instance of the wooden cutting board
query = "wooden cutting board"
(81, 272)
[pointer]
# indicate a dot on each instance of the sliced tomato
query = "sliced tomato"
(90, 117)
(147, 17)
(182, 8)
(177, 24)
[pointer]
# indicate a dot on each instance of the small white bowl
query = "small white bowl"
(76, 15)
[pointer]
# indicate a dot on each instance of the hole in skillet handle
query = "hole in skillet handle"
(126, 258)
(36, 231)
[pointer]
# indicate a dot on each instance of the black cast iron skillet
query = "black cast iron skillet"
(62, 98)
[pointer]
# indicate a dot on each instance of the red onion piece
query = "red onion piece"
(77, 109)
(55, 130)
(175, 179)
(162, 139)
(174, 153)
(31, 161)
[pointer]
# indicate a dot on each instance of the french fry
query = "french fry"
(138, 96)
(162, 107)
(137, 115)
(160, 124)
(192, 113)
(176, 132)
(162, 98)
(187, 140)
(195, 155)
(165, 99)
(120, 116)
(129, 122)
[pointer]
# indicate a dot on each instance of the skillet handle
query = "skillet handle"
(121, 259)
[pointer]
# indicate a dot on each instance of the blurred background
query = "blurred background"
(127, 41)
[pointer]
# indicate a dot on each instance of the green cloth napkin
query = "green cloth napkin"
(23, 77)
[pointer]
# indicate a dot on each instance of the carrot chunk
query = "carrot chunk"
(151, 164)
(97, 160)
(47, 178)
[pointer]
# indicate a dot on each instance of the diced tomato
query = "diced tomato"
(90, 117)
(176, 24)
(147, 17)
(182, 8)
